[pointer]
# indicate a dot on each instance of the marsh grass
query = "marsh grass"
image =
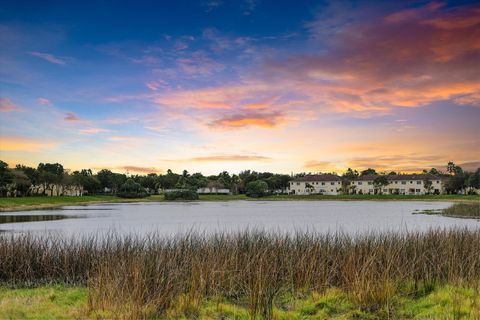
(152, 276)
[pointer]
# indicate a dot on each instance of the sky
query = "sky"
(206, 86)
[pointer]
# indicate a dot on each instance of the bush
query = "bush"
(132, 195)
(255, 189)
(181, 195)
(131, 189)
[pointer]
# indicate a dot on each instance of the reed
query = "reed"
(154, 276)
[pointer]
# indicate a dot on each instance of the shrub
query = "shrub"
(131, 189)
(132, 195)
(255, 189)
(184, 194)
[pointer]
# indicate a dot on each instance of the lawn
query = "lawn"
(29, 203)
(438, 302)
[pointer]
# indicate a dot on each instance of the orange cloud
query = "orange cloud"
(137, 169)
(14, 143)
(6, 105)
(265, 120)
(232, 157)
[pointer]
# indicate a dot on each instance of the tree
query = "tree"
(427, 184)
(50, 174)
(380, 182)
(367, 172)
(451, 167)
(87, 181)
(473, 181)
(256, 188)
(350, 174)
(6, 178)
(22, 182)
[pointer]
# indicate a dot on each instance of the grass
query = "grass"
(46, 302)
(60, 302)
(32, 203)
(457, 210)
(254, 274)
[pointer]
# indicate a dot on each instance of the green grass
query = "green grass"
(29, 203)
(442, 302)
(48, 302)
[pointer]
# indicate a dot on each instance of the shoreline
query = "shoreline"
(52, 203)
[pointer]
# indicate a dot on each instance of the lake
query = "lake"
(171, 218)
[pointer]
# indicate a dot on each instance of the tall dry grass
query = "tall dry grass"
(137, 277)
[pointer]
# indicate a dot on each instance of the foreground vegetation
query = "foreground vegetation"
(434, 302)
(465, 210)
(253, 274)
(30, 203)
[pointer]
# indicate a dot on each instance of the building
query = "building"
(405, 184)
(327, 183)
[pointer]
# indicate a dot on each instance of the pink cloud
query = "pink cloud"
(44, 101)
(93, 130)
(47, 57)
(6, 105)
(71, 117)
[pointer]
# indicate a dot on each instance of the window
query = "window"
(332, 183)
(417, 190)
(404, 182)
(370, 190)
(331, 190)
(359, 183)
(396, 182)
(369, 182)
(323, 183)
(419, 182)
(438, 181)
(298, 183)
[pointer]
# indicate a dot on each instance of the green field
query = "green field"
(60, 302)
(29, 203)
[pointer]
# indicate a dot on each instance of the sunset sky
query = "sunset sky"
(281, 86)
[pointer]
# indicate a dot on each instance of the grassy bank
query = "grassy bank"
(435, 302)
(256, 274)
(31, 203)
(464, 210)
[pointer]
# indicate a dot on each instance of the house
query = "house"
(327, 183)
(213, 191)
(405, 184)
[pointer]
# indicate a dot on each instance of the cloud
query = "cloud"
(24, 144)
(93, 130)
(44, 101)
(6, 105)
(72, 117)
(138, 169)
(47, 57)
(212, 4)
(248, 119)
(314, 164)
(121, 138)
(232, 157)
(406, 59)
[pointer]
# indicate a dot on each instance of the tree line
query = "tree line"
(53, 179)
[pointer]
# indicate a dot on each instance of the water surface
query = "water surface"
(170, 218)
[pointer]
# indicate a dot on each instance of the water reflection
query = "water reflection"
(33, 218)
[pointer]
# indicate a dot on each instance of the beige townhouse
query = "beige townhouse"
(405, 184)
(327, 183)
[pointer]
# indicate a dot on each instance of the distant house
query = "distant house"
(213, 191)
(404, 184)
(329, 184)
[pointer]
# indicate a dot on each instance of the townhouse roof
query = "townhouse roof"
(400, 177)
(318, 177)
